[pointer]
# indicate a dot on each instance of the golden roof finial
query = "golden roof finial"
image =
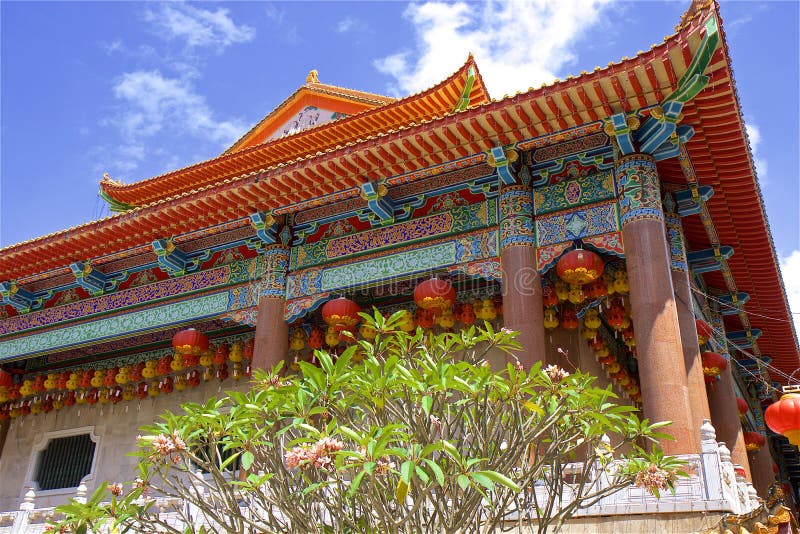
(312, 76)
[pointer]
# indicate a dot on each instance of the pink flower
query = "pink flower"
(163, 445)
(177, 442)
(654, 478)
(115, 489)
(556, 373)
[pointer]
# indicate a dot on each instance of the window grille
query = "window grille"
(64, 462)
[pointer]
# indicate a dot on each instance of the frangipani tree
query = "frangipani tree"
(406, 433)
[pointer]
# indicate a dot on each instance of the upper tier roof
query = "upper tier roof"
(367, 115)
(719, 151)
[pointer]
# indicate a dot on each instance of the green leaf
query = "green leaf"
(463, 481)
(427, 402)
(437, 471)
(407, 471)
(355, 483)
(500, 479)
(483, 480)
(247, 459)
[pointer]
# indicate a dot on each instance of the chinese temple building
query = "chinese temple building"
(613, 218)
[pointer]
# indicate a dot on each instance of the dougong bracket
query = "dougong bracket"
(174, 260)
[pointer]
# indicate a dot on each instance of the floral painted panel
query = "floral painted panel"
(119, 325)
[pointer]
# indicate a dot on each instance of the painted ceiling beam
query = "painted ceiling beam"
(94, 281)
(689, 203)
(20, 299)
(710, 259)
(733, 303)
(266, 227)
(176, 262)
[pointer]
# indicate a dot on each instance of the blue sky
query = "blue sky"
(136, 89)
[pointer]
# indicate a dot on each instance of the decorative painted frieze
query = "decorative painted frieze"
(233, 273)
(516, 217)
(639, 189)
(401, 262)
(576, 223)
(456, 220)
(572, 193)
(119, 325)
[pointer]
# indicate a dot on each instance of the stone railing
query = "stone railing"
(713, 485)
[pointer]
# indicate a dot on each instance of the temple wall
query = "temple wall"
(116, 426)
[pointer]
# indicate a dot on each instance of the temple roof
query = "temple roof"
(416, 141)
(367, 115)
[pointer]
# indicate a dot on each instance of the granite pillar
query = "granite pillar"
(662, 372)
(272, 332)
(522, 285)
(695, 381)
(725, 418)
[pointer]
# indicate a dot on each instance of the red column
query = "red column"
(662, 372)
(761, 468)
(271, 343)
(522, 285)
(725, 418)
(698, 400)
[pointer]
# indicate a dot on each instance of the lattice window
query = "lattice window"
(64, 462)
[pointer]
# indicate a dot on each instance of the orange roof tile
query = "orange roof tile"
(439, 100)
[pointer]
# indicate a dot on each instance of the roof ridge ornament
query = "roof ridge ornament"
(313, 76)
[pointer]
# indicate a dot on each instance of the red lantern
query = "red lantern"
(597, 289)
(166, 385)
(713, 363)
(341, 312)
(549, 297)
(425, 318)
(221, 354)
(783, 417)
(190, 341)
(5, 379)
(754, 440)
(467, 315)
(316, 338)
(579, 267)
(616, 318)
(435, 295)
(569, 318)
(742, 406)
(704, 331)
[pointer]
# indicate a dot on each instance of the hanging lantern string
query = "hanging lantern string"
(748, 312)
(770, 368)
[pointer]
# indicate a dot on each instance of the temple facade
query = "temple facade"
(640, 171)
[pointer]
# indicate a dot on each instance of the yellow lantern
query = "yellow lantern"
(97, 379)
(367, 332)
(152, 389)
(591, 319)
(589, 333)
(237, 349)
(297, 341)
(487, 310)
(550, 318)
(406, 323)
(562, 290)
(331, 337)
(446, 320)
(621, 281)
(576, 294)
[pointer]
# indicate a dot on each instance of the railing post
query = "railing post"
(25, 508)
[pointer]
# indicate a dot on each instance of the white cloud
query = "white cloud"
(790, 269)
(760, 162)
(152, 105)
(346, 24)
(516, 44)
(198, 27)
(285, 30)
(153, 102)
